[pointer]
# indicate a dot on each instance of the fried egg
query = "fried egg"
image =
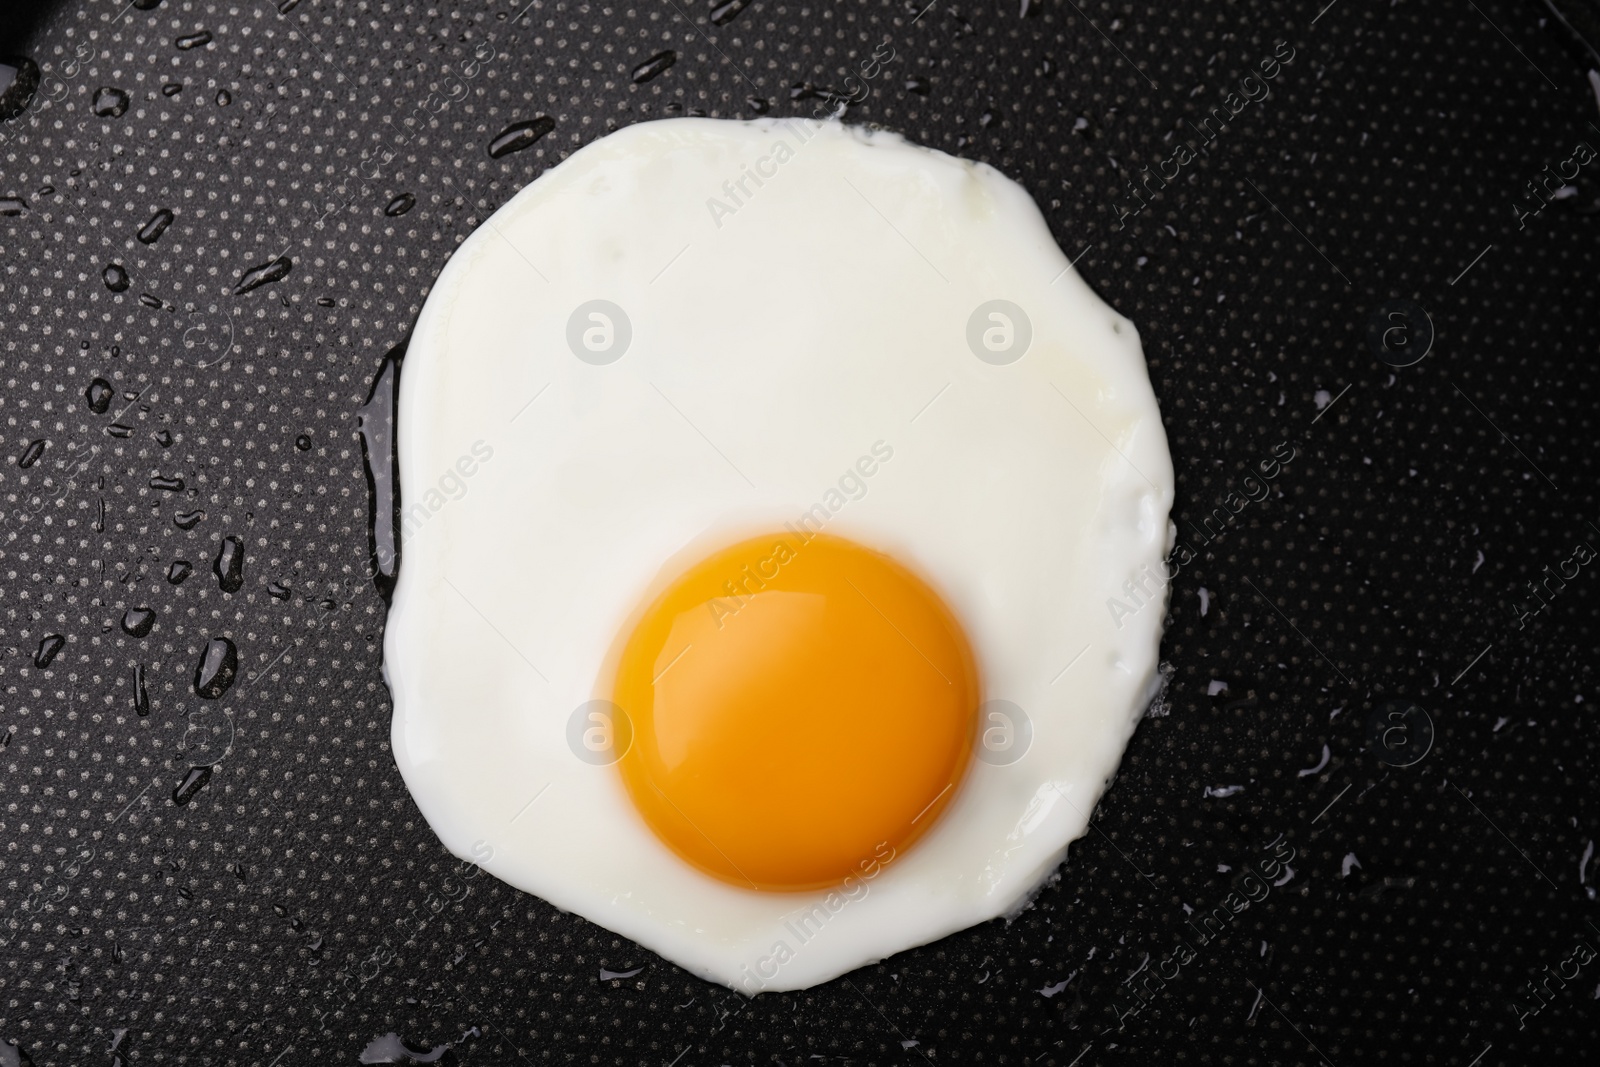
(774, 498)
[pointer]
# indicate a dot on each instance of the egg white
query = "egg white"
(779, 333)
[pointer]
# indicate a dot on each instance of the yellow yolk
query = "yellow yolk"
(801, 711)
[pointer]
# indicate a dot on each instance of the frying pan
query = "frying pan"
(219, 220)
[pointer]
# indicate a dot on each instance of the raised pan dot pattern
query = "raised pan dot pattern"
(296, 908)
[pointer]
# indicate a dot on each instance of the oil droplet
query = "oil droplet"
(273, 270)
(303, 442)
(654, 66)
(48, 648)
(224, 98)
(31, 454)
(376, 423)
(400, 205)
(99, 396)
(229, 564)
(180, 569)
(151, 231)
(188, 520)
(191, 784)
(109, 103)
(172, 89)
(12, 206)
(19, 80)
(392, 1048)
(193, 40)
(218, 665)
(115, 277)
(141, 696)
(168, 485)
(519, 135)
(727, 11)
(138, 622)
(984, 119)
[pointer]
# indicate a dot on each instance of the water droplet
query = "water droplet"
(727, 11)
(138, 622)
(278, 591)
(229, 564)
(273, 270)
(392, 1048)
(303, 442)
(47, 190)
(327, 603)
(758, 105)
(985, 118)
(146, 5)
(519, 135)
(654, 66)
(151, 231)
(286, 6)
(141, 696)
(191, 784)
(1046, 67)
(117, 429)
(109, 103)
(99, 396)
(224, 98)
(193, 40)
(12, 206)
(326, 302)
(315, 943)
(168, 485)
(916, 83)
(164, 438)
(149, 301)
(188, 520)
(115, 277)
(172, 89)
(218, 666)
(48, 648)
(376, 423)
(180, 569)
(400, 205)
(19, 80)
(1028, 8)
(31, 454)
(13, 1055)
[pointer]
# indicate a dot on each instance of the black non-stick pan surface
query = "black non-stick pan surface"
(1386, 267)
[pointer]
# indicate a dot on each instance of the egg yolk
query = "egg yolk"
(802, 710)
